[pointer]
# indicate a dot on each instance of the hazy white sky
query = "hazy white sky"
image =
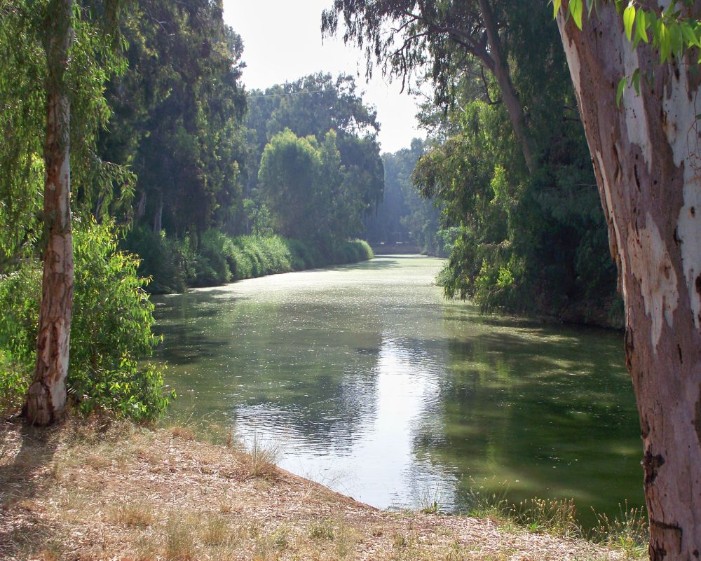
(282, 42)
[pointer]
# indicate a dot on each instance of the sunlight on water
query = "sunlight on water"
(368, 381)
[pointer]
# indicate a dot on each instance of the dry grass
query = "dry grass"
(114, 491)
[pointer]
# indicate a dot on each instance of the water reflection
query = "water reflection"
(370, 382)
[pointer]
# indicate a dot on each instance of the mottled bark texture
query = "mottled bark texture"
(46, 398)
(646, 155)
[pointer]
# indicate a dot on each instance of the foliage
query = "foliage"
(166, 262)
(672, 30)
(526, 240)
(628, 531)
(403, 215)
(177, 113)
(111, 330)
(97, 184)
(311, 108)
(308, 191)
(109, 341)
(20, 293)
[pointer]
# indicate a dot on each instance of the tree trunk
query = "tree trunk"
(501, 71)
(647, 161)
(46, 398)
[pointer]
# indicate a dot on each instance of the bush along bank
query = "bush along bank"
(215, 258)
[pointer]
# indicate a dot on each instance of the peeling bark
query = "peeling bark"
(646, 157)
(46, 398)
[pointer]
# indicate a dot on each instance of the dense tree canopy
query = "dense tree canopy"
(312, 106)
(404, 216)
(177, 114)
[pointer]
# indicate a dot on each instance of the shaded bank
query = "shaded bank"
(214, 258)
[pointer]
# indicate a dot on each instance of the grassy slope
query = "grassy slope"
(94, 492)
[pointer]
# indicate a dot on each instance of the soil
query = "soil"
(107, 490)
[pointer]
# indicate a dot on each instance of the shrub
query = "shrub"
(169, 264)
(19, 300)
(219, 258)
(213, 259)
(302, 256)
(110, 332)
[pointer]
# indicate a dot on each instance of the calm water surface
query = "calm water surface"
(368, 381)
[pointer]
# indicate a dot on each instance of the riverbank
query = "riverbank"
(116, 491)
(215, 259)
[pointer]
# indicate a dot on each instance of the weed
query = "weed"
(399, 541)
(138, 515)
(260, 459)
(346, 538)
(216, 531)
(280, 538)
(179, 541)
(431, 508)
(628, 531)
(494, 506)
(551, 516)
(322, 530)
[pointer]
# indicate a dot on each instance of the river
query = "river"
(366, 379)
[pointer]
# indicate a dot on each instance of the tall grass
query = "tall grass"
(214, 258)
(626, 532)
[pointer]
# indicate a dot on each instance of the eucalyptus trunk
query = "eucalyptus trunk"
(647, 160)
(46, 398)
(496, 61)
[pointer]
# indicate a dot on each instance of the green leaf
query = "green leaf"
(556, 7)
(676, 39)
(629, 20)
(619, 91)
(664, 40)
(689, 35)
(577, 9)
(641, 25)
(635, 80)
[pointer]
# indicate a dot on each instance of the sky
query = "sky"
(282, 42)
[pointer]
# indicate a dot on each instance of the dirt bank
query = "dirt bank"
(119, 492)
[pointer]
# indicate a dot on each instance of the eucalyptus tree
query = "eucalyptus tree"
(177, 115)
(645, 152)
(289, 174)
(644, 142)
(405, 36)
(310, 194)
(65, 48)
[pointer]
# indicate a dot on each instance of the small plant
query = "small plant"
(179, 541)
(431, 508)
(260, 459)
(551, 516)
(280, 538)
(137, 515)
(322, 530)
(494, 505)
(429, 501)
(628, 531)
(216, 531)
